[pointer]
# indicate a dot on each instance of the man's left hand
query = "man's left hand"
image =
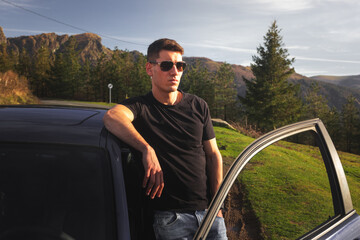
(220, 214)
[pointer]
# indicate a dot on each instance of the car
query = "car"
(64, 176)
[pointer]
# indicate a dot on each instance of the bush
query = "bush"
(14, 89)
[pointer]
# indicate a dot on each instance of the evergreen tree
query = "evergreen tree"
(225, 93)
(198, 80)
(7, 61)
(57, 84)
(66, 72)
(24, 65)
(98, 79)
(270, 100)
(350, 121)
(116, 73)
(140, 80)
(316, 105)
(85, 76)
(41, 72)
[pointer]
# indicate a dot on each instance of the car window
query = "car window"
(56, 188)
(289, 191)
(294, 194)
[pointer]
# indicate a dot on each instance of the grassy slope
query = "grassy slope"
(287, 185)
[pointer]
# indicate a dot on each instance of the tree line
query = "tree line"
(270, 101)
(63, 75)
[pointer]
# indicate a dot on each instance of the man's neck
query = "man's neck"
(171, 98)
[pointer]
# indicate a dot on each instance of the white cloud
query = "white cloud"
(297, 47)
(34, 31)
(285, 5)
(345, 35)
(225, 48)
(326, 60)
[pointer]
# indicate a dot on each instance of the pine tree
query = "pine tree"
(198, 80)
(24, 65)
(98, 79)
(67, 82)
(141, 81)
(350, 121)
(316, 105)
(7, 61)
(225, 93)
(41, 72)
(270, 100)
(85, 76)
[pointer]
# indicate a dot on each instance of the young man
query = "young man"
(173, 131)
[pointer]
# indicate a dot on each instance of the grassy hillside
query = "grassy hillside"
(286, 185)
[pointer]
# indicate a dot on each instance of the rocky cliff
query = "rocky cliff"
(2, 36)
(88, 44)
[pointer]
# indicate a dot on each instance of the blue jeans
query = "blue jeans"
(173, 225)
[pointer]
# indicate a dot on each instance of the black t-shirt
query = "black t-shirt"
(176, 133)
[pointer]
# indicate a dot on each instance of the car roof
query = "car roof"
(51, 124)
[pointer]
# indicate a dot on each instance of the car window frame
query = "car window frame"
(342, 202)
(115, 150)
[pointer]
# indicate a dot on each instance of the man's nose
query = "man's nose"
(174, 70)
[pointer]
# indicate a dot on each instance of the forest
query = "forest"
(270, 101)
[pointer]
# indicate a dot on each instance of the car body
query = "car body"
(64, 176)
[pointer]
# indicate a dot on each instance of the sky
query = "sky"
(322, 35)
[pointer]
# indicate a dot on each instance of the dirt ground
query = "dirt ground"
(240, 222)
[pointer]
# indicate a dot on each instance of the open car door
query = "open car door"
(345, 224)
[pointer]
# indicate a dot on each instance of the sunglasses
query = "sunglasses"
(168, 65)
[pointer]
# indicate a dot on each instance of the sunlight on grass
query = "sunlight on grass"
(287, 184)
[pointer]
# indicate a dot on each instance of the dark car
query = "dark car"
(64, 176)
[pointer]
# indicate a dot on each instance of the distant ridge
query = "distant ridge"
(334, 89)
(88, 44)
(345, 81)
(336, 95)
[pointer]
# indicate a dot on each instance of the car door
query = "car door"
(344, 224)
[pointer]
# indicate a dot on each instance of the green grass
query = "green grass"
(286, 184)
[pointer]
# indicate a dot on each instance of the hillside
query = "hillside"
(345, 81)
(336, 94)
(15, 89)
(283, 192)
(89, 46)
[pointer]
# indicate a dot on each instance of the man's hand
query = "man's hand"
(220, 214)
(153, 178)
(118, 121)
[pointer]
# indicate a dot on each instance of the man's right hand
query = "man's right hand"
(118, 121)
(153, 178)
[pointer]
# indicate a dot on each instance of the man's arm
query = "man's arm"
(214, 166)
(118, 121)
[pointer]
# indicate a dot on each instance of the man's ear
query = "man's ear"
(149, 69)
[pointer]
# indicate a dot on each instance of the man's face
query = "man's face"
(168, 81)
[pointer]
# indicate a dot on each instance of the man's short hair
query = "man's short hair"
(162, 44)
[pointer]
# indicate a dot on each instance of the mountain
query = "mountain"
(345, 81)
(335, 94)
(2, 36)
(88, 44)
(335, 89)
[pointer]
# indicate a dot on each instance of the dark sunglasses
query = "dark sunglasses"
(168, 65)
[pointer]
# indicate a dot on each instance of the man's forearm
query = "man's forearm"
(120, 124)
(214, 165)
(215, 172)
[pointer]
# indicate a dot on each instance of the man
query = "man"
(173, 131)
